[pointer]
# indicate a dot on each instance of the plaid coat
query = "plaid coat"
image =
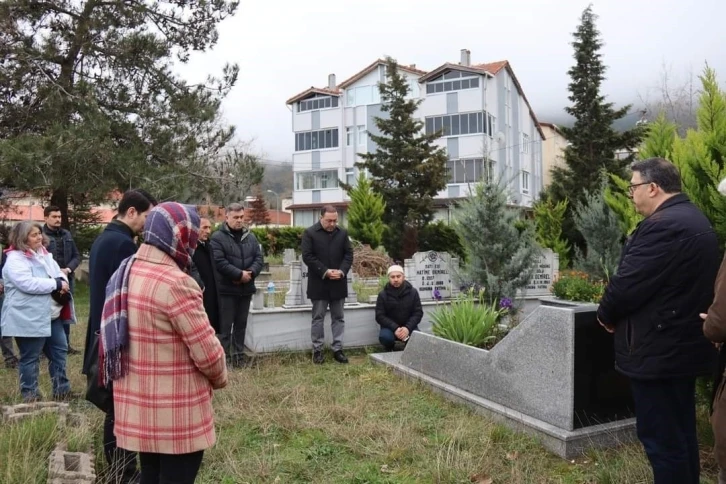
(164, 404)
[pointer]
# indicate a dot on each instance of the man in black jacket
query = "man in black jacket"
(398, 309)
(327, 252)
(65, 253)
(238, 260)
(203, 260)
(664, 280)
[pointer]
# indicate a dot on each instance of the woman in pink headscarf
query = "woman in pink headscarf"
(160, 351)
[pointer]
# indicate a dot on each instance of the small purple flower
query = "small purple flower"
(437, 295)
(505, 303)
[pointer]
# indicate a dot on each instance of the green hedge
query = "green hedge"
(440, 237)
(275, 240)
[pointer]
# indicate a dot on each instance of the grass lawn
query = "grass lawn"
(286, 420)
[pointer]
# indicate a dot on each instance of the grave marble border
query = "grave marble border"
(528, 377)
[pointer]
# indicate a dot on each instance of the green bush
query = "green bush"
(275, 240)
(440, 237)
(578, 286)
(468, 320)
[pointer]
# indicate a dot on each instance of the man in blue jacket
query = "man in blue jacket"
(665, 279)
(65, 253)
(115, 244)
(237, 262)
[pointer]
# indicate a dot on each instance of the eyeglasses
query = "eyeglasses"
(631, 188)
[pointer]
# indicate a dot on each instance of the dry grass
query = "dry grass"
(285, 420)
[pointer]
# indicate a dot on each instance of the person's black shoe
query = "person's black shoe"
(73, 351)
(318, 357)
(11, 364)
(340, 357)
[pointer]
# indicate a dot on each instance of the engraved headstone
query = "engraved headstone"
(433, 273)
(545, 273)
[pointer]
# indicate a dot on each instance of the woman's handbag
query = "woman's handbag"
(96, 393)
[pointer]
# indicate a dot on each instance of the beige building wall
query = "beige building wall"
(553, 151)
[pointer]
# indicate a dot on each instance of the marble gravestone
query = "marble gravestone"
(298, 293)
(552, 376)
(545, 273)
(289, 257)
(433, 271)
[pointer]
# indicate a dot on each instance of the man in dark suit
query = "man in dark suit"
(327, 252)
(204, 262)
(115, 244)
(665, 279)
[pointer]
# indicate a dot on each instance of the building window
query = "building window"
(362, 95)
(525, 182)
(350, 176)
(460, 124)
(453, 81)
(349, 136)
(362, 137)
(316, 140)
(320, 102)
(317, 180)
(469, 170)
(525, 143)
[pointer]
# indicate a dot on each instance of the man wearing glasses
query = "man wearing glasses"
(663, 282)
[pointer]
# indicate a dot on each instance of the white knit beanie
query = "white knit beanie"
(394, 268)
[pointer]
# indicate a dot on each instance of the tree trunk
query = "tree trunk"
(59, 198)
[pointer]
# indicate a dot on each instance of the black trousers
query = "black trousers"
(170, 468)
(665, 412)
(233, 312)
(121, 462)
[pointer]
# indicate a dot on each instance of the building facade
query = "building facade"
(489, 130)
(553, 151)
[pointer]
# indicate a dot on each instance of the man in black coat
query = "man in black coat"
(327, 252)
(65, 253)
(664, 281)
(398, 309)
(238, 261)
(203, 260)
(115, 244)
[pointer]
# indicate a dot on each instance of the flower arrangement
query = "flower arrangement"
(578, 286)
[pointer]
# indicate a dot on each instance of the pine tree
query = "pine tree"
(408, 170)
(592, 140)
(548, 218)
(501, 258)
(90, 101)
(603, 236)
(365, 213)
(259, 215)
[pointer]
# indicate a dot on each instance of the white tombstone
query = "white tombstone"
(545, 273)
(433, 271)
(289, 257)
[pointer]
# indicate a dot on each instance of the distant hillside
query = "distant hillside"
(278, 178)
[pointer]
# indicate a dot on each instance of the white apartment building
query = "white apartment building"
(489, 130)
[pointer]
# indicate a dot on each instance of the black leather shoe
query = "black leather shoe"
(340, 357)
(73, 351)
(318, 357)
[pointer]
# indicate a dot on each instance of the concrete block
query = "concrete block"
(75, 467)
(14, 413)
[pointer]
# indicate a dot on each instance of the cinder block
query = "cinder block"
(70, 467)
(13, 413)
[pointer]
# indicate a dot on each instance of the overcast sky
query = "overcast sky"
(285, 46)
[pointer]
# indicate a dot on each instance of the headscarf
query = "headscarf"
(172, 228)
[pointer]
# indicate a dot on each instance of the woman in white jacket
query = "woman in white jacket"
(37, 302)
